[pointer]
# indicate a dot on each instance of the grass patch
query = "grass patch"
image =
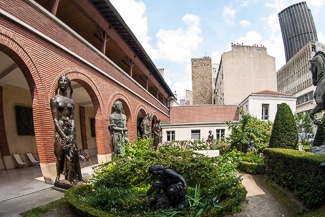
(60, 204)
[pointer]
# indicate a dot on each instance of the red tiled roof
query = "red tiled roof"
(203, 114)
(271, 93)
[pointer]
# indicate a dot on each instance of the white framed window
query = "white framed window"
(265, 111)
(195, 134)
(170, 135)
(220, 133)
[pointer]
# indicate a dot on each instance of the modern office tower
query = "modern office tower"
(242, 71)
(297, 27)
(202, 80)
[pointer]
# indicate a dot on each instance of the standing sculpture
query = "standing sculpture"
(156, 134)
(210, 137)
(65, 147)
(118, 128)
(170, 189)
(318, 69)
(146, 126)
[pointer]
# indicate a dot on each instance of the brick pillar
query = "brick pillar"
(83, 128)
(4, 147)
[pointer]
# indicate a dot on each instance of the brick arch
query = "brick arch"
(41, 113)
(127, 110)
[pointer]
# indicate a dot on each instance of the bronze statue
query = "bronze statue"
(318, 69)
(156, 134)
(170, 189)
(210, 137)
(146, 126)
(65, 147)
(118, 128)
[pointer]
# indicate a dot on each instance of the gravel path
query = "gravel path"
(265, 201)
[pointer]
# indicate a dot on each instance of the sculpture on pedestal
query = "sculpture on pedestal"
(118, 128)
(146, 126)
(65, 147)
(317, 68)
(156, 134)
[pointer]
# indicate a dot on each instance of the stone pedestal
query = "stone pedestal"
(318, 149)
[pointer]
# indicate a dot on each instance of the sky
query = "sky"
(172, 32)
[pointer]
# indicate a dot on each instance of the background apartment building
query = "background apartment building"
(295, 77)
(243, 70)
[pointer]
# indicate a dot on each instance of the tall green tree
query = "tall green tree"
(284, 133)
(249, 129)
(305, 126)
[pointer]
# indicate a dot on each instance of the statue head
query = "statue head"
(154, 168)
(117, 106)
(64, 83)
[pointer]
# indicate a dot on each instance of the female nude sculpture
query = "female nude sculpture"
(65, 147)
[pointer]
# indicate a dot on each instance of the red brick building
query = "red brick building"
(88, 41)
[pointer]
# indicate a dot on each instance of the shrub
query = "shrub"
(212, 182)
(298, 171)
(284, 133)
(249, 129)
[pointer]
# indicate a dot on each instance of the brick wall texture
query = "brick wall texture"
(202, 80)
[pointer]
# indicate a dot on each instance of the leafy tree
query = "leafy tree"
(305, 126)
(249, 129)
(320, 134)
(284, 132)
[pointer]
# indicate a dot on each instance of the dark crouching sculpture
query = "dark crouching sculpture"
(170, 189)
(65, 147)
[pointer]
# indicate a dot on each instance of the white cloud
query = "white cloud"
(137, 21)
(177, 45)
(245, 23)
(316, 3)
(321, 37)
(215, 57)
(181, 87)
(229, 15)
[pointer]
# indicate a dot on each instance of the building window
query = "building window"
(195, 134)
(220, 134)
(265, 111)
(305, 98)
(170, 135)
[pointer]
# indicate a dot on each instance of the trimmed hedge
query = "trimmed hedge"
(82, 208)
(298, 171)
(251, 167)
